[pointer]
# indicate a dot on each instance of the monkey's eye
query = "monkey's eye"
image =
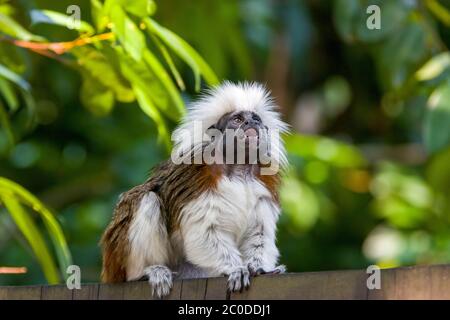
(256, 118)
(237, 119)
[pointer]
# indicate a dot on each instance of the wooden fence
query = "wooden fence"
(422, 282)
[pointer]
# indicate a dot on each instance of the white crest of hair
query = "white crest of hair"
(223, 99)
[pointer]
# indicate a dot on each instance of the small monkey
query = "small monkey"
(205, 219)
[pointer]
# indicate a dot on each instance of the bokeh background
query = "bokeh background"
(369, 110)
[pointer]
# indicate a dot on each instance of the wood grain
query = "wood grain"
(311, 285)
(413, 283)
(87, 292)
(59, 292)
(419, 282)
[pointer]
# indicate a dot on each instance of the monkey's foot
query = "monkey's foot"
(254, 271)
(160, 278)
(238, 279)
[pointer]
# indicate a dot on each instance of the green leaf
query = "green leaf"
(31, 107)
(11, 57)
(350, 19)
(59, 19)
(52, 225)
(302, 214)
(403, 53)
(36, 241)
(8, 94)
(146, 104)
(127, 32)
(11, 76)
(434, 67)
(99, 15)
(345, 15)
(437, 119)
(139, 8)
(173, 69)
(184, 51)
(99, 67)
(150, 76)
(437, 171)
(25, 91)
(167, 85)
(4, 121)
(392, 15)
(336, 153)
(15, 30)
(439, 11)
(148, 92)
(96, 97)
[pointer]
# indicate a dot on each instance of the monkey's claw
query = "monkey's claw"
(259, 271)
(239, 280)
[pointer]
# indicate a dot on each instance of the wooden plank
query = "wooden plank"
(142, 290)
(216, 289)
(440, 282)
(423, 282)
(413, 283)
(3, 293)
(139, 290)
(87, 292)
(58, 292)
(175, 293)
(111, 291)
(22, 293)
(312, 285)
(402, 283)
(193, 289)
(136, 290)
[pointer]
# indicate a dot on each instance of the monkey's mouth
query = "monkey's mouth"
(251, 133)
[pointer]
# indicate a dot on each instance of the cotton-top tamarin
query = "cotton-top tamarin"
(200, 218)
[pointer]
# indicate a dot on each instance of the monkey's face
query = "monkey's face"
(242, 132)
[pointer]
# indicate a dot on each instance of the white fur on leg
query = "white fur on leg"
(149, 244)
(209, 242)
(258, 247)
(187, 270)
(160, 278)
(210, 226)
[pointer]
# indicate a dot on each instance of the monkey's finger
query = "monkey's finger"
(247, 282)
(143, 278)
(277, 270)
(260, 271)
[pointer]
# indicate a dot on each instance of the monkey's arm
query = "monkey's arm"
(213, 248)
(259, 251)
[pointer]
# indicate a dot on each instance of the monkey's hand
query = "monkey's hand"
(238, 279)
(256, 271)
(160, 278)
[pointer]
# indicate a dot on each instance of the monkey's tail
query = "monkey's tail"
(114, 242)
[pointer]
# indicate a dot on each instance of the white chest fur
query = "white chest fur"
(236, 199)
(231, 207)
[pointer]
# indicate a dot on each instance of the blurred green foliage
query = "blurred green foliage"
(370, 113)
